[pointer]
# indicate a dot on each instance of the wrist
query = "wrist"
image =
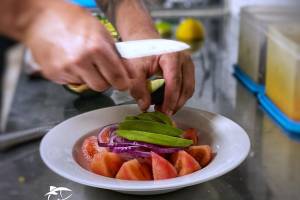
(144, 33)
(137, 24)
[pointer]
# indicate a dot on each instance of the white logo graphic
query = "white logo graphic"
(58, 192)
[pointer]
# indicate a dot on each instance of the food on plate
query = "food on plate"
(134, 170)
(149, 126)
(147, 146)
(154, 138)
(202, 153)
(155, 116)
(191, 134)
(90, 147)
(184, 163)
(106, 163)
(162, 168)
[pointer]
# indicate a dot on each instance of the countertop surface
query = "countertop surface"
(271, 170)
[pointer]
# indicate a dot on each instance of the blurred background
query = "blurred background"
(247, 57)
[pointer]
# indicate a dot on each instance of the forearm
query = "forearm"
(130, 17)
(16, 16)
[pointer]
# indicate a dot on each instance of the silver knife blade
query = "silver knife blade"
(149, 47)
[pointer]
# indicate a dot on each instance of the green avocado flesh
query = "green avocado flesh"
(153, 85)
(150, 126)
(156, 116)
(154, 138)
(157, 89)
(131, 118)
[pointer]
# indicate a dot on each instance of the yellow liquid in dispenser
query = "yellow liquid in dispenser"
(283, 76)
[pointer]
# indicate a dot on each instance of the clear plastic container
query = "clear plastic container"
(254, 23)
(283, 68)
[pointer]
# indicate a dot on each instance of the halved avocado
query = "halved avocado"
(157, 89)
(81, 90)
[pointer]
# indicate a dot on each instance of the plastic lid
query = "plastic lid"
(261, 21)
(85, 3)
(287, 36)
(271, 9)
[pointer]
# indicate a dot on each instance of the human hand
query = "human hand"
(71, 46)
(178, 72)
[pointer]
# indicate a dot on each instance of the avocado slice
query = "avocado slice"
(157, 89)
(154, 138)
(150, 126)
(156, 116)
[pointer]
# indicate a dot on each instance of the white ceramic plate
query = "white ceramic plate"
(229, 141)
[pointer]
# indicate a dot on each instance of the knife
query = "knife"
(137, 49)
(149, 47)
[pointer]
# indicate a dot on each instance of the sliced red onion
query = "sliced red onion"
(138, 154)
(112, 127)
(112, 138)
(131, 148)
(149, 147)
(118, 139)
(152, 147)
(127, 149)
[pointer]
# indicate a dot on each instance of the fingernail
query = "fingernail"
(169, 112)
(141, 103)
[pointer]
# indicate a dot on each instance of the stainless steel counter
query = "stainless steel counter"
(271, 171)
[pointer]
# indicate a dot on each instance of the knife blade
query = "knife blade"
(149, 47)
(138, 48)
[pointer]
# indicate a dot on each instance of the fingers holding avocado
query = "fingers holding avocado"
(155, 87)
(157, 90)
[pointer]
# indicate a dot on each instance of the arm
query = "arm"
(130, 17)
(16, 16)
(69, 44)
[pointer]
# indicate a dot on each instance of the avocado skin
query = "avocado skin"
(86, 93)
(157, 97)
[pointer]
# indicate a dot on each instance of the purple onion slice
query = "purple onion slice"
(132, 148)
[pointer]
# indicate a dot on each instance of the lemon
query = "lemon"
(164, 29)
(190, 30)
